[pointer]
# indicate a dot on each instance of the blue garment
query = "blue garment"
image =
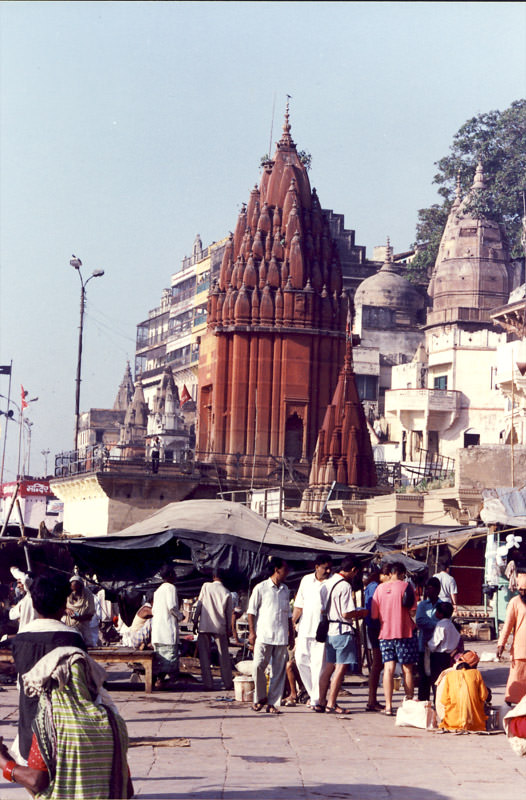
(368, 599)
(426, 621)
(341, 649)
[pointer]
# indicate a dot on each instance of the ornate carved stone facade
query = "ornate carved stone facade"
(276, 327)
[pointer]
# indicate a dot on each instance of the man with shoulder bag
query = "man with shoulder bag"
(341, 645)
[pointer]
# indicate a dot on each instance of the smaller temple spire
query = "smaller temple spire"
(479, 181)
(458, 199)
(126, 389)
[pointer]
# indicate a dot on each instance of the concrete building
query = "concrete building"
(102, 426)
(170, 337)
(32, 503)
(388, 318)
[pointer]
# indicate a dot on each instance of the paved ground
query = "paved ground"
(191, 744)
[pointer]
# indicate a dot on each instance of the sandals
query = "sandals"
(290, 701)
(272, 710)
(389, 713)
(319, 709)
(337, 710)
(374, 707)
(258, 706)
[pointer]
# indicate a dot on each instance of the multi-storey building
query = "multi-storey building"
(170, 337)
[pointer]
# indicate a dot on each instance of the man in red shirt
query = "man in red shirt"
(394, 604)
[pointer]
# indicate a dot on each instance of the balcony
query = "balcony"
(424, 409)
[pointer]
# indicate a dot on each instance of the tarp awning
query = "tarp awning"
(504, 506)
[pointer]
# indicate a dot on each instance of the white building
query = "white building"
(448, 397)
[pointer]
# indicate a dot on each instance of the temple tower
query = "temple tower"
(447, 399)
(343, 454)
(276, 327)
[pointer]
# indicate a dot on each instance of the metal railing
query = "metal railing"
(97, 458)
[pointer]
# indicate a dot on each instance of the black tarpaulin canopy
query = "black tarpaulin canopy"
(207, 535)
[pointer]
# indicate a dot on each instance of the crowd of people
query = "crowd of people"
(300, 649)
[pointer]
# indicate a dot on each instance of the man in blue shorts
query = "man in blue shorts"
(341, 645)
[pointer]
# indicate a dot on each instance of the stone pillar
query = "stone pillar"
(239, 393)
(276, 435)
(221, 393)
(265, 373)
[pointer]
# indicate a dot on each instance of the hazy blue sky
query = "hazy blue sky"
(128, 127)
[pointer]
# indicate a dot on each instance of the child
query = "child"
(444, 642)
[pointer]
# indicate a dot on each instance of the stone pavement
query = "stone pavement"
(192, 744)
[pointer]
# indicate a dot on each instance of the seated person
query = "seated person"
(134, 635)
(515, 727)
(444, 642)
(461, 695)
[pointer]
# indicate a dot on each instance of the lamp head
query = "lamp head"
(97, 273)
(75, 262)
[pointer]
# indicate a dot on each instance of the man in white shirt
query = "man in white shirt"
(448, 587)
(165, 627)
(341, 646)
(270, 631)
(307, 609)
(213, 621)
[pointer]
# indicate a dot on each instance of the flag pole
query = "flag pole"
(6, 421)
(23, 404)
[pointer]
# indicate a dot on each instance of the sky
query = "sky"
(126, 128)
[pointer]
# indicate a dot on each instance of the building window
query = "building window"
(471, 439)
(367, 386)
(440, 382)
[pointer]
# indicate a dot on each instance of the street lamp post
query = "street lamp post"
(76, 263)
(45, 453)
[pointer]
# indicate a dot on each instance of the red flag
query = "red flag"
(23, 395)
(185, 396)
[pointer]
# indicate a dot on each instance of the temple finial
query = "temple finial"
(388, 252)
(479, 182)
(286, 126)
(286, 138)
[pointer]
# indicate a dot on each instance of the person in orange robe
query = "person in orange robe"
(515, 623)
(462, 693)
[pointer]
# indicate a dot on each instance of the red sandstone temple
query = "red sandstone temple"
(275, 344)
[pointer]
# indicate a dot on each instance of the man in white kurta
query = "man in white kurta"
(270, 631)
(165, 626)
(309, 653)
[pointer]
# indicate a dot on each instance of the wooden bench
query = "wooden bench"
(126, 655)
(112, 655)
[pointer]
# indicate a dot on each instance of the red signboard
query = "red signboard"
(27, 489)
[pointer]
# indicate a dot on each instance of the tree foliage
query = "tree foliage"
(498, 140)
(304, 156)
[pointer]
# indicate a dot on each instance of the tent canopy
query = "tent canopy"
(202, 536)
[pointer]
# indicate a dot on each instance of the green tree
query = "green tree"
(498, 140)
